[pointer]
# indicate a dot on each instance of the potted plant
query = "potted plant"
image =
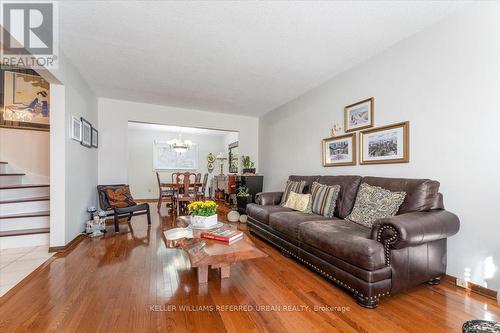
(203, 213)
(247, 165)
(242, 199)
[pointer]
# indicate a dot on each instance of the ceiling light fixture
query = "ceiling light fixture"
(180, 146)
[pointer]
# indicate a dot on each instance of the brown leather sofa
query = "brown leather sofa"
(397, 253)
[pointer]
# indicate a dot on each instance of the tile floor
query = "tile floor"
(17, 263)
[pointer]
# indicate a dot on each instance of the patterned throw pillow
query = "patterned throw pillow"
(324, 198)
(373, 203)
(291, 186)
(298, 201)
(119, 197)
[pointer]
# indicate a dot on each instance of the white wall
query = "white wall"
(73, 167)
(445, 81)
(27, 152)
(142, 177)
(113, 121)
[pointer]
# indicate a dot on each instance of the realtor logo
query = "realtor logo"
(28, 34)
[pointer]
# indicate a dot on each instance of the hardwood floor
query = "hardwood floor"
(130, 282)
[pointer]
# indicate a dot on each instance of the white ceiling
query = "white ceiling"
(176, 129)
(235, 57)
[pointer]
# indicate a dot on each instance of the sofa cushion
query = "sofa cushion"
(308, 179)
(421, 194)
(344, 240)
(373, 203)
(261, 213)
(348, 190)
(119, 196)
(292, 186)
(300, 202)
(324, 198)
(288, 222)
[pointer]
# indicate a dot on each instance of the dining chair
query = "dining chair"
(164, 193)
(184, 182)
(200, 195)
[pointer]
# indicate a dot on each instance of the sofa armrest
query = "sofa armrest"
(268, 198)
(416, 228)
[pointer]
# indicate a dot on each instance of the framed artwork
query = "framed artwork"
(86, 133)
(339, 150)
(94, 141)
(358, 115)
(26, 101)
(387, 144)
(233, 157)
(76, 129)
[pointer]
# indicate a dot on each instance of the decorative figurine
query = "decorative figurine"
(335, 129)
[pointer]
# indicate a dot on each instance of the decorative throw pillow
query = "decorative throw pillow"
(292, 186)
(324, 198)
(119, 196)
(298, 201)
(373, 203)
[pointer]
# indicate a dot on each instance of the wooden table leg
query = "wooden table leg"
(202, 274)
(225, 271)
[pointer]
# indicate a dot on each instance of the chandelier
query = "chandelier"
(179, 145)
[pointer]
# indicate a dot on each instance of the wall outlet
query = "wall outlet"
(462, 283)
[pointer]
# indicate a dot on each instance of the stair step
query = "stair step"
(22, 215)
(8, 187)
(44, 198)
(22, 232)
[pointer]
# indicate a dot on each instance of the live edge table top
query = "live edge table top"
(214, 253)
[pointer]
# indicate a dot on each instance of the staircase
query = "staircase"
(24, 211)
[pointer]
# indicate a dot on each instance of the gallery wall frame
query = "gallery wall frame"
(359, 115)
(386, 144)
(339, 150)
(86, 133)
(76, 129)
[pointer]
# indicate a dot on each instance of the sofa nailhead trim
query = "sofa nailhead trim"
(317, 269)
(387, 242)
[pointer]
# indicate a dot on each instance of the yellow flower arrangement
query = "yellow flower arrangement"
(203, 208)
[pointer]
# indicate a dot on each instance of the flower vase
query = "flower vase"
(203, 221)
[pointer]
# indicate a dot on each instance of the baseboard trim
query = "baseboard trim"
(68, 246)
(475, 288)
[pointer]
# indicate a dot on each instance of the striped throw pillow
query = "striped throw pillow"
(324, 198)
(291, 186)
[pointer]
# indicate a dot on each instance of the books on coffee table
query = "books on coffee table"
(224, 234)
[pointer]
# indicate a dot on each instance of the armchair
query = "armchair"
(128, 207)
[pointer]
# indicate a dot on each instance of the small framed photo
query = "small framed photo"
(387, 144)
(358, 115)
(95, 138)
(339, 150)
(86, 133)
(76, 129)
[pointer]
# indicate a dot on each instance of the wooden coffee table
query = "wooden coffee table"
(215, 254)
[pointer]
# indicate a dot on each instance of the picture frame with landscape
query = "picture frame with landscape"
(359, 115)
(387, 144)
(339, 150)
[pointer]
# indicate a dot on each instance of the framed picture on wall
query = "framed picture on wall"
(76, 129)
(339, 150)
(387, 144)
(86, 133)
(26, 102)
(358, 115)
(95, 138)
